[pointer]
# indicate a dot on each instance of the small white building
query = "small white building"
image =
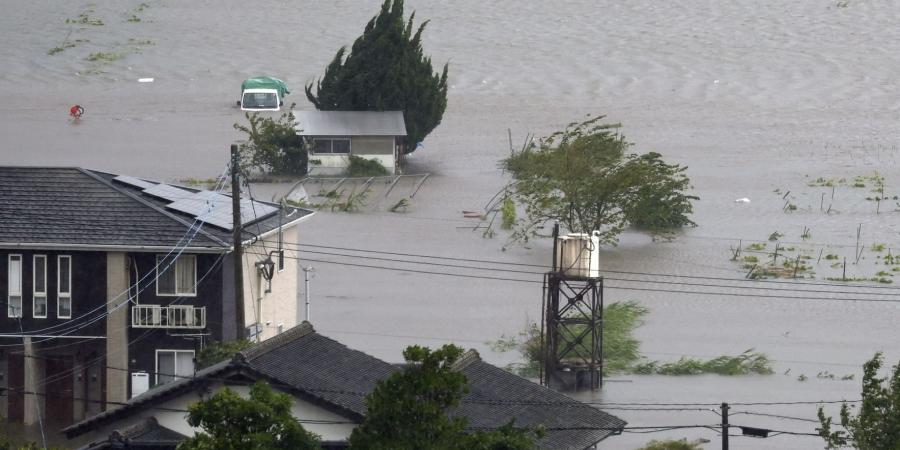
(332, 136)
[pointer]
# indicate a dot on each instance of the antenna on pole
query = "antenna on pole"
(240, 326)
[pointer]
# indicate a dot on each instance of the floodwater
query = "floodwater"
(758, 98)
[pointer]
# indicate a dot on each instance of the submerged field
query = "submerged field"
(760, 99)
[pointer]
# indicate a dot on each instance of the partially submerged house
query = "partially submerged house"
(329, 383)
(110, 284)
(332, 136)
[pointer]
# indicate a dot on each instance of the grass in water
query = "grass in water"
(749, 362)
(104, 56)
(621, 350)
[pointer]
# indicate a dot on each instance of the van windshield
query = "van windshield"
(260, 100)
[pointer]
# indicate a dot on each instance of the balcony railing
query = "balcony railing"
(176, 316)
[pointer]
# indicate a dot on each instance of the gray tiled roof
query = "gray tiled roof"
(495, 396)
(147, 433)
(350, 123)
(337, 377)
(64, 206)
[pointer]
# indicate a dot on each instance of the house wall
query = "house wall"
(145, 341)
(88, 291)
(380, 148)
(176, 420)
(281, 305)
(117, 325)
(89, 288)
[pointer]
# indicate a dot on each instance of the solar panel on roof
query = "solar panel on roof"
(215, 209)
(200, 203)
(132, 181)
(168, 192)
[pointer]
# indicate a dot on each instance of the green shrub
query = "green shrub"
(362, 167)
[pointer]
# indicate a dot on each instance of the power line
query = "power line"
(544, 267)
(759, 288)
(669, 291)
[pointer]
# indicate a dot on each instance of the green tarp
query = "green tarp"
(266, 83)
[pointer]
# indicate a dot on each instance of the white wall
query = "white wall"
(177, 421)
(280, 305)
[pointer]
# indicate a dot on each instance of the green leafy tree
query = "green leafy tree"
(876, 426)
(273, 145)
(262, 422)
(386, 70)
(408, 410)
(584, 178)
(220, 351)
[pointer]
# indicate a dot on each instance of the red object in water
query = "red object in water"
(76, 111)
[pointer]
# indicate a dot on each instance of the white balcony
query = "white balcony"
(175, 316)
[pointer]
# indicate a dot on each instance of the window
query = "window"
(172, 365)
(331, 146)
(39, 276)
(64, 277)
(179, 278)
(14, 302)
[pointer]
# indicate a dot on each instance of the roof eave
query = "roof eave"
(106, 247)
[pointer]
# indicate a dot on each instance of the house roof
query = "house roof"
(145, 434)
(332, 375)
(350, 123)
(69, 207)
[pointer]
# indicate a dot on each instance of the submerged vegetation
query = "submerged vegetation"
(584, 178)
(748, 362)
(621, 350)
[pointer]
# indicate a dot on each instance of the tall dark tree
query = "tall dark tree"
(386, 70)
(408, 410)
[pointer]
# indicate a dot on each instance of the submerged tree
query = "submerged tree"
(386, 70)
(876, 426)
(584, 178)
(262, 422)
(408, 410)
(272, 145)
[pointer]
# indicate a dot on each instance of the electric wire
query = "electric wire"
(626, 288)
(492, 269)
(622, 272)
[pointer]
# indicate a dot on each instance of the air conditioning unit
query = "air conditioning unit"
(578, 255)
(140, 383)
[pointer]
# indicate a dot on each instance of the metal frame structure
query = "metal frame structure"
(573, 335)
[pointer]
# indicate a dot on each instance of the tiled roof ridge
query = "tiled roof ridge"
(305, 328)
(469, 357)
(149, 204)
(135, 429)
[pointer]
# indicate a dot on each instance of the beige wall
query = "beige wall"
(372, 145)
(280, 305)
(116, 328)
(380, 148)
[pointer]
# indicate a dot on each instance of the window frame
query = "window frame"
(331, 146)
(173, 269)
(60, 295)
(175, 351)
(35, 294)
(9, 294)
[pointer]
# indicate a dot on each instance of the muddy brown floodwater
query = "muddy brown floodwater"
(758, 98)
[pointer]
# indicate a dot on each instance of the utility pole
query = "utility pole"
(306, 271)
(240, 326)
(724, 426)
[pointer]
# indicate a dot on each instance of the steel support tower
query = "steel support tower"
(572, 332)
